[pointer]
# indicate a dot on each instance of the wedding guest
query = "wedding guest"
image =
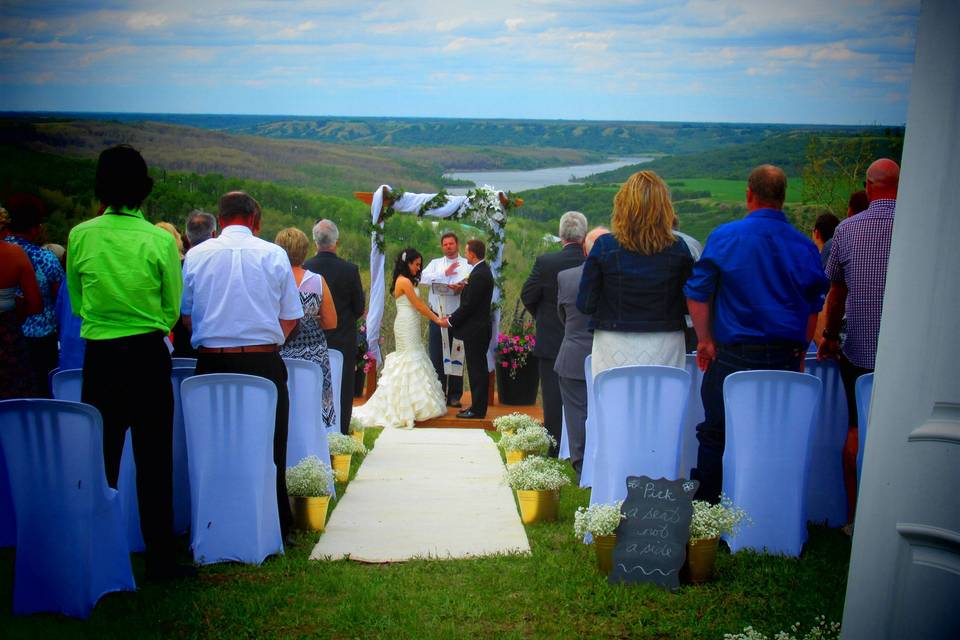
(241, 302)
(16, 272)
(574, 349)
(200, 227)
(858, 202)
(633, 279)
(343, 279)
(125, 283)
(27, 215)
(754, 297)
(59, 251)
(172, 230)
(823, 228)
(539, 296)
(309, 342)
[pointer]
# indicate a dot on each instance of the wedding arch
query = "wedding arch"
(484, 207)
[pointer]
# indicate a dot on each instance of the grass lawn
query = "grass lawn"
(555, 592)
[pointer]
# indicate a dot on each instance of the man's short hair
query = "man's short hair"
(477, 248)
(769, 185)
(858, 202)
(26, 211)
(238, 204)
(825, 225)
(573, 226)
(325, 234)
(122, 179)
(449, 234)
(200, 227)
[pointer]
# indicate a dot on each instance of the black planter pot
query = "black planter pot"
(359, 377)
(521, 389)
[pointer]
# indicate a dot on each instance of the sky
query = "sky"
(781, 61)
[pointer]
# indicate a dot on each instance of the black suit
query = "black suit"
(539, 296)
(343, 280)
(471, 323)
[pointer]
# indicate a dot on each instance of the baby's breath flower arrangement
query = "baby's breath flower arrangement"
(355, 424)
(514, 422)
(714, 520)
(532, 439)
(536, 474)
(309, 478)
(341, 445)
(823, 630)
(597, 519)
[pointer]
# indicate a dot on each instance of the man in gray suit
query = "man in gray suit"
(576, 346)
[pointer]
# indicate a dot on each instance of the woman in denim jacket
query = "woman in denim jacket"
(633, 279)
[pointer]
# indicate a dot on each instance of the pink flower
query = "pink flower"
(504, 364)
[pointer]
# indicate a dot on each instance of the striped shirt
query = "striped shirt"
(858, 258)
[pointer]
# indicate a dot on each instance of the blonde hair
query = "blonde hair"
(295, 243)
(643, 215)
(172, 230)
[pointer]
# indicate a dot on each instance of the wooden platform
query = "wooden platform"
(493, 411)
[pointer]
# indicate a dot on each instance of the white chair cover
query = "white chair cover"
(639, 412)
(8, 520)
(336, 374)
(71, 547)
(863, 390)
(229, 420)
(306, 434)
(183, 363)
(589, 427)
(826, 495)
(181, 473)
(564, 443)
(769, 427)
(693, 416)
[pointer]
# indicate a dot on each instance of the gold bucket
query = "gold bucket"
(515, 456)
(604, 547)
(538, 506)
(701, 558)
(358, 436)
(341, 466)
(310, 513)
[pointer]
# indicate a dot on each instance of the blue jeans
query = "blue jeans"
(711, 433)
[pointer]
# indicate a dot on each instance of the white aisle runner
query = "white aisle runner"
(421, 493)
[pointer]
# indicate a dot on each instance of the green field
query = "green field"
(733, 191)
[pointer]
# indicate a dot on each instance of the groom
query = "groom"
(471, 323)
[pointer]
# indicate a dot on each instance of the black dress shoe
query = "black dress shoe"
(289, 542)
(454, 403)
(470, 415)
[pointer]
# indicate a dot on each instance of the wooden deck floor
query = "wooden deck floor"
(493, 411)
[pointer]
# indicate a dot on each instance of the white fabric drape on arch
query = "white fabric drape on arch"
(411, 202)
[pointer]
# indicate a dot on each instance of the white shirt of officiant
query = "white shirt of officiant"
(436, 272)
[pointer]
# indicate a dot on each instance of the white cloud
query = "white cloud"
(144, 21)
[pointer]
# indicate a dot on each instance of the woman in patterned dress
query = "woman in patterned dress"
(308, 341)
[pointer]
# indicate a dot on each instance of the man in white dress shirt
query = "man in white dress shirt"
(241, 300)
(449, 269)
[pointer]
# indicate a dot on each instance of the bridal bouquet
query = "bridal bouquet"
(515, 344)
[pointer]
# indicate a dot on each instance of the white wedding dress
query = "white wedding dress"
(408, 389)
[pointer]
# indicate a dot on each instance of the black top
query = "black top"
(539, 296)
(471, 321)
(343, 280)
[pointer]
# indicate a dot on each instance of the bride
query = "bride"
(408, 389)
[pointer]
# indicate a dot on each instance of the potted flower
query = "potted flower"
(601, 522)
(342, 449)
(517, 374)
(709, 522)
(356, 429)
(537, 482)
(530, 440)
(308, 485)
(513, 422)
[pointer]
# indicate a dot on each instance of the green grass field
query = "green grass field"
(555, 592)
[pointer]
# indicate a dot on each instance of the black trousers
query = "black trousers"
(574, 393)
(475, 351)
(347, 382)
(452, 385)
(849, 373)
(271, 367)
(552, 401)
(128, 381)
(44, 357)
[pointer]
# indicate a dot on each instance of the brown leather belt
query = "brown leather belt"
(253, 348)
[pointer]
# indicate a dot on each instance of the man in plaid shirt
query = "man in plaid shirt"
(857, 269)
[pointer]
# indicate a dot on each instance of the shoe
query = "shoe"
(289, 542)
(165, 572)
(470, 415)
(454, 403)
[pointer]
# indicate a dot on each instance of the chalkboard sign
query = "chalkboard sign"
(652, 538)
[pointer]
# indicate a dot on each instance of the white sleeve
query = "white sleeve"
(433, 273)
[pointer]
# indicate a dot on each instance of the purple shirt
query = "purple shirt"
(858, 258)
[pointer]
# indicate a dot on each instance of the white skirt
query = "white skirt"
(621, 348)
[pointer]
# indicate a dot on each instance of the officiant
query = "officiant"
(445, 276)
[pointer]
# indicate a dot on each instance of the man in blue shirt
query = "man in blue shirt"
(754, 297)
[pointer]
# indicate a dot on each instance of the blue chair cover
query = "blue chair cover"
(183, 363)
(336, 371)
(693, 416)
(639, 411)
(590, 444)
(181, 474)
(564, 444)
(863, 389)
(769, 426)
(826, 495)
(71, 547)
(8, 520)
(306, 434)
(229, 420)
(67, 385)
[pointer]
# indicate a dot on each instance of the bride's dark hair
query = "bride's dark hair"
(401, 266)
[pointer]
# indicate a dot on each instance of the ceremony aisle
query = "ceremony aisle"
(425, 493)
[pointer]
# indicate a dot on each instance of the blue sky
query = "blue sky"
(793, 61)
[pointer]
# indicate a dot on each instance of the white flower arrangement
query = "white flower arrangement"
(823, 630)
(714, 520)
(597, 519)
(355, 425)
(514, 422)
(309, 478)
(533, 439)
(341, 445)
(536, 474)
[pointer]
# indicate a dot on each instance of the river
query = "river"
(536, 178)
